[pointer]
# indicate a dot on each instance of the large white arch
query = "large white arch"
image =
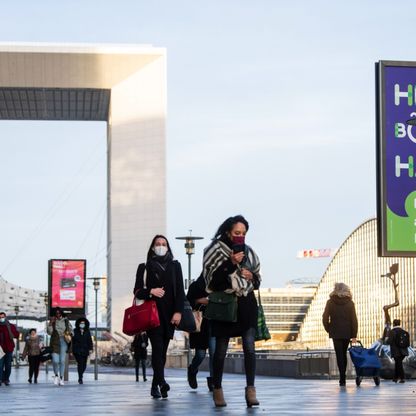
(125, 86)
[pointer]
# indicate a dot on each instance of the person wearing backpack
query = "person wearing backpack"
(398, 339)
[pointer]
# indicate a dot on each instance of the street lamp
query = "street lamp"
(46, 301)
(189, 249)
(96, 285)
(16, 310)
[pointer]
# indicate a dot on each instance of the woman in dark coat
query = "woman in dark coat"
(340, 321)
(139, 350)
(233, 267)
(164, 284)
(399, 353)
(203, 340)
(81, 345)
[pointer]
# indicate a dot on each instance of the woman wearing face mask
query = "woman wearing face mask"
(164, 284)
(57, 326)
(32, 351)
(231, 266)
(81, 345)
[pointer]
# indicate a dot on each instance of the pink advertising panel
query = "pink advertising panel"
(67, 286)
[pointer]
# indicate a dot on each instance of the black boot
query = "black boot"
(155, 392)
(210, 384)
(193, 384)
(164, 388)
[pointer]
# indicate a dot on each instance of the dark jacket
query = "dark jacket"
(82, 341)
(139, 346)
(198, 340)
(246, 305)
(32, 347)
(393, 339)
(170, 278)
(7, 342)
(339, 318)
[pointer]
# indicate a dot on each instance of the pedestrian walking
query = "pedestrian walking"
(340, 321)
(203, 340)
(139, 350)
(164, 284)
(32, 351)
(230, 266)
(399, 342)
(59, 328)
(8, 331)
(81, 346)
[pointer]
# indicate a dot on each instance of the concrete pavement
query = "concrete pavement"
(116, 393)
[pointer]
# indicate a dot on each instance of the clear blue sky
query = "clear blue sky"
(270, 114)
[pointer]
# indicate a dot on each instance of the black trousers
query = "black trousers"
(341, 347)
(34, 362)
(221, 347)
(140, 362)
(81, 364)
(398, 368)
(160, 345)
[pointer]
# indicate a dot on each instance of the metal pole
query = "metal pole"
(96, 334)
(17, 340)
(189, 352)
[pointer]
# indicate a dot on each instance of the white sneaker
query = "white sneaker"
(56, 380)
(61, 382)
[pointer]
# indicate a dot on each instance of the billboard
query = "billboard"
(396, 151)
(67, 286)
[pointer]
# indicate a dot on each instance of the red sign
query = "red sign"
(67, 284)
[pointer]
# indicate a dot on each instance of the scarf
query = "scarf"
(159, 263)
(217, 253)
(7, 323)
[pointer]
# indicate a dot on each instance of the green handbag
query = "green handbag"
(221, 306)
(262, 333)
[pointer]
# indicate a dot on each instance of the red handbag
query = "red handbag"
(139, 318)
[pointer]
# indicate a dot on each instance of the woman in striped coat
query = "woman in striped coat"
(232, 266)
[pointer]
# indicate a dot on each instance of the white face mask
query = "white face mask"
(160, 250)
(2, 320)
(82, 326)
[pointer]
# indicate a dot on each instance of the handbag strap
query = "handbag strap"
(144, 284)
(259, 297)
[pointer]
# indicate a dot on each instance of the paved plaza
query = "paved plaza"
(116, 393)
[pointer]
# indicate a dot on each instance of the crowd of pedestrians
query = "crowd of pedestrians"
(230, 273)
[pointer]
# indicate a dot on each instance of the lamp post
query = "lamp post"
(96, 285)
(189, 249)
(46, 301)
(16, 310)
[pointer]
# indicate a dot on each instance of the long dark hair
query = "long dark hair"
(228, 225)
(151, 253)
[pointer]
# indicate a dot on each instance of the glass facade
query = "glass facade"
(356, 263)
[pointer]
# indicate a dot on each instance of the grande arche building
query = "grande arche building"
(125, 87)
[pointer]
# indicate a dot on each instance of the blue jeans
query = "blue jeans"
(6, 367)
(248, 338)
(200, 355)
(58, 360)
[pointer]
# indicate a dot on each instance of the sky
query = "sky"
(271, 114)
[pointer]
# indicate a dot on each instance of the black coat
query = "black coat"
(82, 341)
(247, 309)
(198, 340)
(393, 339)
(172, 282)
(139, 346)
(339, 318)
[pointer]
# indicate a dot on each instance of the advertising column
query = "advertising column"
(67, 286)
(396, 151)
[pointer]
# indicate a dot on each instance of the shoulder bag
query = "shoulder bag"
(67, 333)
(262, 333)
(142, 315)
(221, 306)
